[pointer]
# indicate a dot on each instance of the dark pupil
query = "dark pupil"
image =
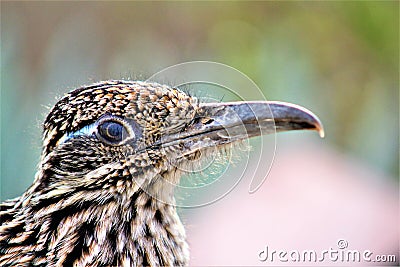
(111, 131)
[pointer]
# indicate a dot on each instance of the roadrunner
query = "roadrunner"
(112, 151)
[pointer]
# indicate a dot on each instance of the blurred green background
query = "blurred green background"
(338, 58)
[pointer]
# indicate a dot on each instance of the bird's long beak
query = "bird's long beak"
(224, 123)
(256, 118)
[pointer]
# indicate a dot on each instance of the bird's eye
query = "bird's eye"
(112, 132)
(108, 129)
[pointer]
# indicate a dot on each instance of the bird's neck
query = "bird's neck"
(142, 231)
(159, 232)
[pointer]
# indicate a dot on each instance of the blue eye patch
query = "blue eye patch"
(87, 130)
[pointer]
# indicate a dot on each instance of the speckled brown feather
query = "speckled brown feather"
(93, 204)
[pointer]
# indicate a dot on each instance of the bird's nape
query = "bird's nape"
(111, 151)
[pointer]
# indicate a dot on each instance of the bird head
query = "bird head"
(116, 138)
(112, 155)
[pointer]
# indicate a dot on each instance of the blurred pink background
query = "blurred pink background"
(313, 197)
